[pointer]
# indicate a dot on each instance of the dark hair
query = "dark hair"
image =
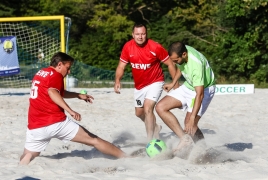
(137, 25)
(60, 57)
(177, 47)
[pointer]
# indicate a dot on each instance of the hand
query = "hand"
(189, 126)
(75, 115)
(88, 98)
(117, 86)
(168, 87)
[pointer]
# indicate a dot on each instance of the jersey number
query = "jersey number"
(34, 89)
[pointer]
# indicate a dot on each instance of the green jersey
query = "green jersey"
(196, 71)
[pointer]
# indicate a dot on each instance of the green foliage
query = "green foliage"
(6, 11)
(107, 19)
(232, 34)
(88, 73)
(245, 49)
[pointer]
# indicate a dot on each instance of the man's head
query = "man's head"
(62, 63)
(178, 53)
(139, 33)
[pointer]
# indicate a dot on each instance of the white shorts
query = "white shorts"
(38, 139)
(152, 92)
(187, 97)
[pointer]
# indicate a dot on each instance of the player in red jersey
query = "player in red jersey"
(145, 57)
(46, 117)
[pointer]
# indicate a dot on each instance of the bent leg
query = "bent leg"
(28, 156)
(163, 108)
(85, 137)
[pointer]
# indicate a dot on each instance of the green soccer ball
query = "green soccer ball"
(83, 92)
(155, 147)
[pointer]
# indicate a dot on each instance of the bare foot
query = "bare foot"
(157, 131)
(186, 141)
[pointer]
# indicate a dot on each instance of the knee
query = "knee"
(159, 108)
(139, 115)
(92, 141)
(148, 111)
(95, 141)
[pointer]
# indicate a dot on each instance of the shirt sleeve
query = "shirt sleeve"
(124, 57)
(162, 54)
(56, 82)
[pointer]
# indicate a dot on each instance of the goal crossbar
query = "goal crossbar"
(42, 18)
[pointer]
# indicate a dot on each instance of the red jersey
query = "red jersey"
(145, 62)
(43, 111)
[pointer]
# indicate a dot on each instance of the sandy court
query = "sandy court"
(234, 126)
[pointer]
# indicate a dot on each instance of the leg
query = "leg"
(146, 114)
(208, 96)
(33, 147)
(28, 156)
(198, 135)
(85, 137)
(163, 108)
(146, 99)
(157, 130)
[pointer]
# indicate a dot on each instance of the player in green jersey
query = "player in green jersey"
(195, 94)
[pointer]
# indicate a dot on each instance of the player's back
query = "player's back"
(43, 111)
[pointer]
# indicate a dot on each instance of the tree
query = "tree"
(244, 46)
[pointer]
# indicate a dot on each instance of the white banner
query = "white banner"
(223, 89)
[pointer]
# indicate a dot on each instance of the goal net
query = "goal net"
(35, 40)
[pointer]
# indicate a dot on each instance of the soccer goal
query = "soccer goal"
(26, 45)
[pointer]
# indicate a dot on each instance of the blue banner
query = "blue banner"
(9, 63)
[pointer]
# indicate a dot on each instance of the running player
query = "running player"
(145, 57)
(194, 95)
(46, 117)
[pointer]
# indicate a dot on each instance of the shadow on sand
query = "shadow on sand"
(220, 154)
(28, 178)
(200, 154)
(93, 153)
(15, 94)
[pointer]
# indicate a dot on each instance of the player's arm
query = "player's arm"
(197, 104)
(86, 97)
(174, 83)
(118, 76)
(57, 99)
(172, 71)
(176, 77)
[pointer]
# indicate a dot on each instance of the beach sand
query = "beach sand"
(234, 126)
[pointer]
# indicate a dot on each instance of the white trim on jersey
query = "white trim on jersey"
(124, 61)
(195, 58)
(153, 53)
(165, 59)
